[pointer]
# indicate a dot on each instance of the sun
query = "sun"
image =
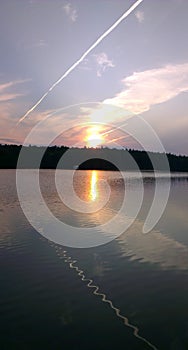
(94, 136)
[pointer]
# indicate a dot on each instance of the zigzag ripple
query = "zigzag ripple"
(71, 262)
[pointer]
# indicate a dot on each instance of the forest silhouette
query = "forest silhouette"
(96, 158)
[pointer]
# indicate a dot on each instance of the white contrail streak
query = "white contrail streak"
(118, 138)
(86, 53)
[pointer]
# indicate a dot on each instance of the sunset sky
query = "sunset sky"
(140, 70)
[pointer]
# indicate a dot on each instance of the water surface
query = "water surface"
(44, 303)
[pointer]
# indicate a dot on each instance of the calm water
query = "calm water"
(45, 304)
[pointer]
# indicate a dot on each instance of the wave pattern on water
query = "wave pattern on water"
(80, 273)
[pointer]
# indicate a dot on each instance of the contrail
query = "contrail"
(118, 138)
(86, 53)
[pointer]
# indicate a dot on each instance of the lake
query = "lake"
(130, 293)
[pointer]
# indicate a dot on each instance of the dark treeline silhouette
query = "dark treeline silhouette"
(88, 158)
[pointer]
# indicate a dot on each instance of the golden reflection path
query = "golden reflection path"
(93, 193)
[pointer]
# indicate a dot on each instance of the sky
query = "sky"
(139, 72)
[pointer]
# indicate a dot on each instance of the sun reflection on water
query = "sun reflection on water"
(93, 193)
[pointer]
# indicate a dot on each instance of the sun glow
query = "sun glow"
(94, 137)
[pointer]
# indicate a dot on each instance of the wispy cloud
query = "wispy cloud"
(70, 12)
(6, 94)
(9, 96)
(103, 62)
(40, 44)
(140, 16)
(4, 86)
(10, 106)
(8, 140)
(147, 88)
(85, 65)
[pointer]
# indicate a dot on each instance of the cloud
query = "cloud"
(70, 12)
(10, 106)
(147, 88)
(39, 44)
(8, 140)
(103, 62)
(9, 95)
(4, 86)
(85, 65)
(140, 16)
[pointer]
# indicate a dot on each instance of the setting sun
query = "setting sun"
(94, 137)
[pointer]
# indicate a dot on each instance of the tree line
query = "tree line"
(89, 158)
